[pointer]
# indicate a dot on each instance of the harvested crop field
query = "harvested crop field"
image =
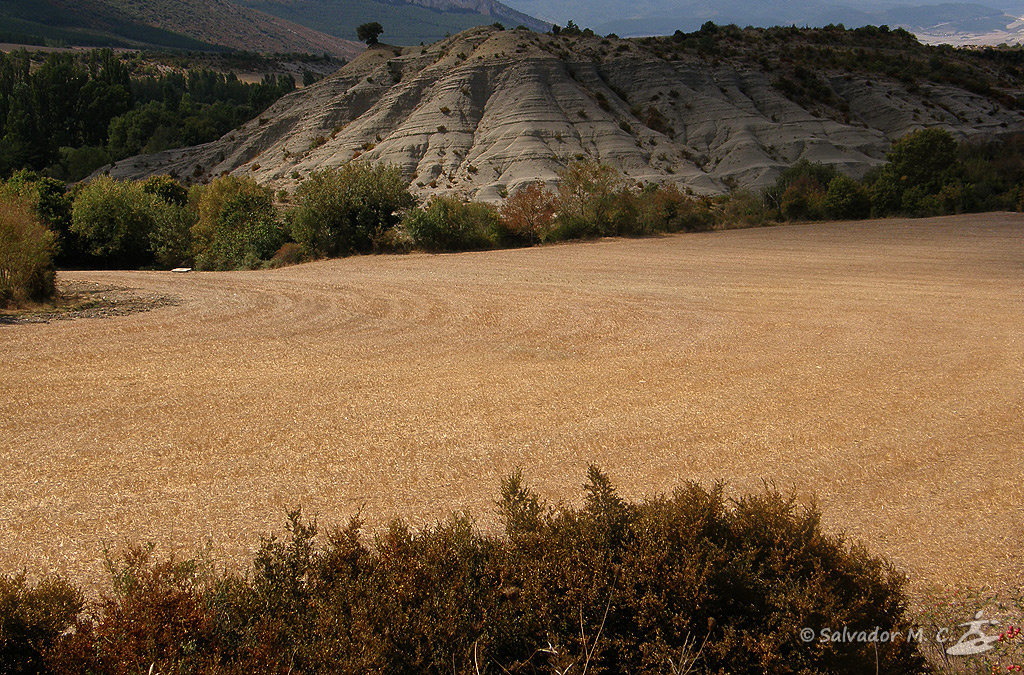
(878, 365)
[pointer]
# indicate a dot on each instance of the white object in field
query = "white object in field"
(182, 269)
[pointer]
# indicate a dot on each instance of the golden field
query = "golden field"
(876, 365)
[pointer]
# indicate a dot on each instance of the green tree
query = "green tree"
(447, 223)
(114, 220)
(349, 208)
(847, 199)
(369, 32)
(170, 240)
(925, 159)
(237, 225)
(587, 192)
(919, 166)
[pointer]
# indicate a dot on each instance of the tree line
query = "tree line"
(74, 113)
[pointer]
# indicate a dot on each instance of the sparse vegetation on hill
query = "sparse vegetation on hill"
(798, 57)
(407, 22)
(680, 583)
(713, 110)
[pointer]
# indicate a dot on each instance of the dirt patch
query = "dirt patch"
(88, 300)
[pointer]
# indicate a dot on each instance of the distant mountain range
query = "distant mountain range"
(311, 26)
(329, 26)
(406, 22)
(957, 23)
(174, 24)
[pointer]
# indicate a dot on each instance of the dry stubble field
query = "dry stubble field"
(877, 365)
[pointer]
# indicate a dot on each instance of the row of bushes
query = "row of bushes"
(926, 174)
(692, 582)
(235, 223)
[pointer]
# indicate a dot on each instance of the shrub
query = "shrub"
(620, 586)
(32, 621)
(27, 249)
(803, 199)
(237, 225)
(846, 199)
(926, 158)
(166, 189)
(451, 224)
(348, 209)
(51, 203)
(290, 253)
(114, 220)
(170, 240)
(526, 215)
(157, 619)
(743, 208)
(920, 165)
(666, 208)
(586, 195)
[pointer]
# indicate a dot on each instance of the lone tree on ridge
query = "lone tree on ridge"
(368, 32)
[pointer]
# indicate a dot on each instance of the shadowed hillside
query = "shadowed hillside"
(177, 24)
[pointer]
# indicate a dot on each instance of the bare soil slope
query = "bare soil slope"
(484, 112)
(879, 365)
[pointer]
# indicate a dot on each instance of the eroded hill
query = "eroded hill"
(487, 110)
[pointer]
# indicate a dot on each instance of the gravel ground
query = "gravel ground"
(878, 366)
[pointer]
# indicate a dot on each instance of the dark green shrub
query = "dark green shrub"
(32, 620)
(846, 199)
(348, 209)
(451, 224)
(885, 192)
(27, 250)
(167, 189)
(237, 225)
(925, 159)
(806, 201)
(920, 166)
(170, 240)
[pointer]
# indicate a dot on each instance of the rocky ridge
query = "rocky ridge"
(485, 111)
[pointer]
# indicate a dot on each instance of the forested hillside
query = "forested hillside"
(74, 112)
